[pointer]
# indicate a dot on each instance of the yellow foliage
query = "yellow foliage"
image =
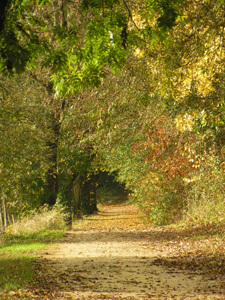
(199, 68)
(139, 53)
(184, 122)
(137, 21)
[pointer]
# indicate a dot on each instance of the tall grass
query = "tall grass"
(37, 223)
(206, 199)
(18, 246)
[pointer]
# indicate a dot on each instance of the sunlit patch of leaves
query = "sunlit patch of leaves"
(130, 219)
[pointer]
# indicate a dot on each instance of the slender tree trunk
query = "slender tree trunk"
(93, 198)
(1, 214)
(51, 184)
(89, 202)
(4, 6)
(76, 197)
(5, 213)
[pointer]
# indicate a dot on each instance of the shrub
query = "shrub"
(205, 202)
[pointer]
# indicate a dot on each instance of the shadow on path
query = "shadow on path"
(123, 264)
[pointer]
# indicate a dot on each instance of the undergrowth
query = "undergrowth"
(37, 222)
(19, 244)
(206, 198)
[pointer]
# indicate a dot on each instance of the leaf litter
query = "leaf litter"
(113, 255)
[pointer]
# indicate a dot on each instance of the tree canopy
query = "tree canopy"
(77, 41)
(130, 87)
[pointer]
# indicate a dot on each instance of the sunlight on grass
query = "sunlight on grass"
(38, 223)
(22, 249)
(46, 236)
(19, 245)
(17, 265)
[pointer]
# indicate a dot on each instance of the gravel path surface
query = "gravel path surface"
(112, 255)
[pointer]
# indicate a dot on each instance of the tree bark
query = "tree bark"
(1, 214)
(4, 5)
(5, 213)
(51, 183)
(89, 202)
(76, 197)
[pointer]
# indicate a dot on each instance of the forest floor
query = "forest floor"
(113, 255)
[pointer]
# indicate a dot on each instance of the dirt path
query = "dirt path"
(113, 256)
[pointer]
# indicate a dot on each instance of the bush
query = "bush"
(161, 199)
(205, 202)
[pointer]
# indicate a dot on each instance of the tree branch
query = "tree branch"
(130, 14)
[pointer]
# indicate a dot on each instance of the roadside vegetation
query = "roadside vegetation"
(19, 245)
(107, 101)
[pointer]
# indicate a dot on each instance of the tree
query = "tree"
(79, 39)
(23, 149)
(188, 66)
(156, 122)
(160, 152)
(137, 138)
(74, 42)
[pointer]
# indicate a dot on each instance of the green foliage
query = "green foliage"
(168, 11)
(23, 162)
(42, 2)
(13, 55)
(109, 190)
(205, 200)
(144, 87)
(84, 46)
(19, 41)
(87, 4)
(80, 48)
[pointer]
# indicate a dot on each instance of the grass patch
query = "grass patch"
(20, 250)
(200, 237)
(46, 236)
(17, 259)
(17, 262)
(15, 273)
(17, 267)
(37, 223)
(19, 245)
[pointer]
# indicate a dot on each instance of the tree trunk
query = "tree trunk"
(93, 198)
(89, 202)
(4, 6)
(51, 183)
(76, 193)
(5, 213)
(1, 214)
